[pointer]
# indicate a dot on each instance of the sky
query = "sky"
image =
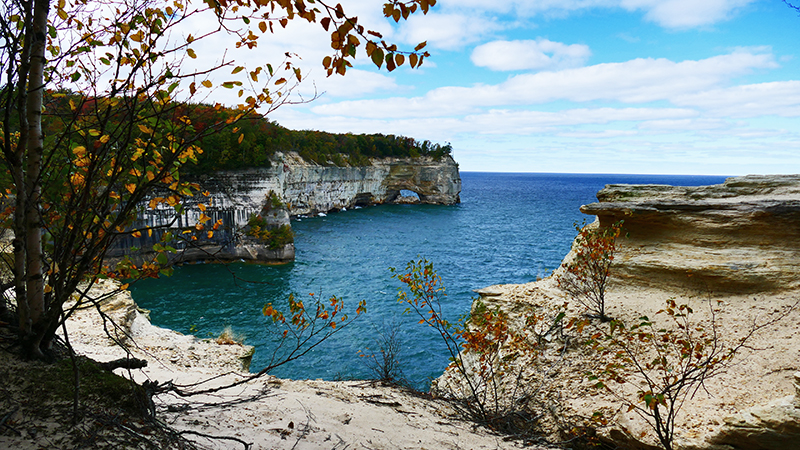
(573, 86)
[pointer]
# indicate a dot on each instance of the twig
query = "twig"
(225, 438)
(5, 418)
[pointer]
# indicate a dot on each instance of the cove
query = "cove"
(509, 228)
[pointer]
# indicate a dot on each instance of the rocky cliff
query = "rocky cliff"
(309, 188)
(730, 252)
(301, 188)
(739, 236)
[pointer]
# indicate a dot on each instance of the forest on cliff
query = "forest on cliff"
(254, 139)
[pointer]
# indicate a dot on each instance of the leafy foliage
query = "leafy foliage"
(665, 363)
(273, 237)
(78, 163)
(488, 352)
(585, 278)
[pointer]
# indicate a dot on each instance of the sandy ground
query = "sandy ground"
(273, 413)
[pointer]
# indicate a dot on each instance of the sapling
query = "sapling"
(585, 277)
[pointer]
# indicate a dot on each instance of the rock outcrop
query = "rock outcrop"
(309, 188)
(775, 426)
(728, 251)
(739, 236)
(302, 188)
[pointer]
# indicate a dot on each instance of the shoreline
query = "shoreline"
(281, 413)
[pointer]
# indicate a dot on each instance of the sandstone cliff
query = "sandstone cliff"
(309, 188)
(730, 251)
(740, 236)
(303, 188)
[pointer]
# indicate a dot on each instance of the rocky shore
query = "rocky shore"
(731, 253)
(270, 413)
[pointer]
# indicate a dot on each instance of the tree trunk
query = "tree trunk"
(34, 327)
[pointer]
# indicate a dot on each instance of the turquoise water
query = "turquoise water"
(509, 228)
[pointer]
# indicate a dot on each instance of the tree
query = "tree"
(585, 277)
(489, 352)
(665, 363)
(108, 81)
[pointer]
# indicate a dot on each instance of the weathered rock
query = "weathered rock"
(775, 426)
(739, 236)
(305, 188)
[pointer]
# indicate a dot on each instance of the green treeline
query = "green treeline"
(231, 142)
(255, 139)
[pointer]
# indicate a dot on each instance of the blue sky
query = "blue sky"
(588, 86)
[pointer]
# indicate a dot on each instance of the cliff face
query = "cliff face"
(739, 236)
(309, 188)
(303, 188)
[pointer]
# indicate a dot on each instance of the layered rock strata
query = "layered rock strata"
(308, 188)
(303, 188)
(730, 252)
(739, 236)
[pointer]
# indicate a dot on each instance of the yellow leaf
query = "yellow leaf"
(77, 179)
(207, 83)
(131, 188)
(136, 234)
(48, 288)
(191, 53)
(210, 234)
(241, 138)
(125, 286)
(79, 151)
(105, 138)
(145, 129)
(202, 207)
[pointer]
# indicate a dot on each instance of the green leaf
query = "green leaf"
(162, 259)
(377, 57)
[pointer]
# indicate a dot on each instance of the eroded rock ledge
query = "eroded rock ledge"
(739, 236)
(303, 188)
(730, 252)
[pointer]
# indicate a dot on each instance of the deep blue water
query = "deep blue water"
(509, 228)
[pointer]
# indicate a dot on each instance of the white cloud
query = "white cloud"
(680, 125)
(447, 31)
(686, 13)
(637, 81)
(357, 83)
(779, 98)
(666, 13)
(537, 54)
(526, 122)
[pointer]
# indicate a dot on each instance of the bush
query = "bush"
(273, 237)
(585, 278)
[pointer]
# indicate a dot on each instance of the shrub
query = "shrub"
(273, 237)
(665, 363)
(585, 278)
